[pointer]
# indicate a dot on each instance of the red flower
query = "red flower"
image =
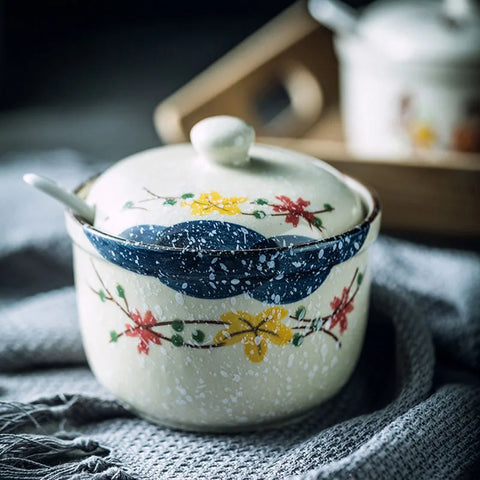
(141, 330)
(295, 210)
(340, 307)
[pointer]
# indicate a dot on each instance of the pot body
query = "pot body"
(231, 363)
(213, 388)
(278, 331)
(399, 108)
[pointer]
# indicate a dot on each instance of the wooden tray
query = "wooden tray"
(431, 194)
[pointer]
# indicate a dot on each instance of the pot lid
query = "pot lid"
(437, 31)
(223, 192)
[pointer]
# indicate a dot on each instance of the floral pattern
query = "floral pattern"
(140, 329)
(254, 332)
(425, 132)
(341, 307)
(213, 202)
(295, 211)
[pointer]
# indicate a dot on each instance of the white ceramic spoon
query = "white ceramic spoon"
(68, 198)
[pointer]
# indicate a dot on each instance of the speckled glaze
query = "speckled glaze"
(220, 336)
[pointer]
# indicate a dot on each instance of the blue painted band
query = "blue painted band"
(212, 260)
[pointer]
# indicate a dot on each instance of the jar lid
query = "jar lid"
(223, 193)
(434, 31)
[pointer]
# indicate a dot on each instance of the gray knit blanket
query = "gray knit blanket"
(410, 411)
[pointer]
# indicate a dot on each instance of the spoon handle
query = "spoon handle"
(335, 14)
(69, 199)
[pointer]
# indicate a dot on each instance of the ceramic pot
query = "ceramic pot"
(225, 286)
(409, 75)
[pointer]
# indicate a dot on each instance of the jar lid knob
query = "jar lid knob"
(223, 139)
(461, 10)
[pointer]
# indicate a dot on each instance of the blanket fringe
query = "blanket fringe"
(75, 409)
(27, 455)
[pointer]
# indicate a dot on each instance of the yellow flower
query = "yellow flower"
(213, 202)
(255, 331)
(423, 135)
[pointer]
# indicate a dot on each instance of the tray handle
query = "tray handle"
(292, 51)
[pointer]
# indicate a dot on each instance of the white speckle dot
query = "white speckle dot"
(291, 357)
(179, 298)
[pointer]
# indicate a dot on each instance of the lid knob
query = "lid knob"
(461, 10)
(223, 139)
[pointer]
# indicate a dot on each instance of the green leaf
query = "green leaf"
(259, 214)
(113, 336)
(170, 201)
(261, 201)
(317, 222)
(198, 336)
(120, 291)
(102, 295)
(128, 204)
(360, 278)
(187, 195)
(178, 325)
(297, 339)
(300, 312)
(328, 207)
(177, 340)
(317, 323)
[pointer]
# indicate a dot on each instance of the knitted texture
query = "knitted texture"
(410, 410)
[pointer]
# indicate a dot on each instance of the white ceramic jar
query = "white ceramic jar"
(409, 74)
(225, 286)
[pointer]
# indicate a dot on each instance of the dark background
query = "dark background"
(87, 75)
